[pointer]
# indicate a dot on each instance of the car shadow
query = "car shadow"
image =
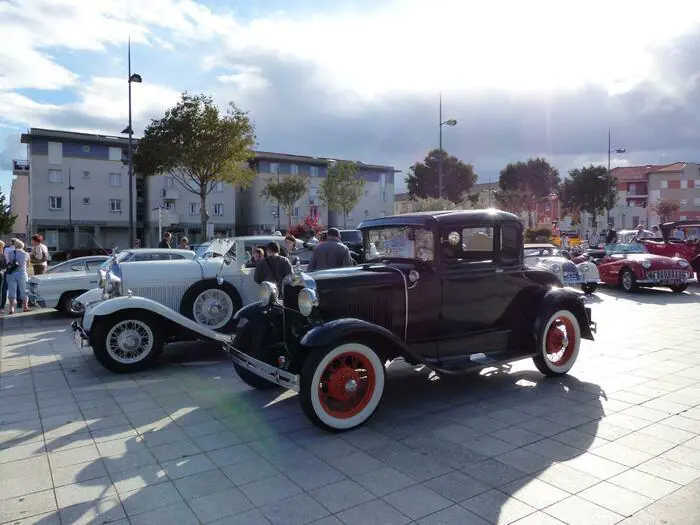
(145, 442)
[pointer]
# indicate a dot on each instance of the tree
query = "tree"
(666, 209)
(199, 145)
(433, 204)
(473, 199)
(534, 180)
(7, 220)
(341, 190)
(457, 177)
(287, 192)
(309, 224)
(511, 201)
(591, 189)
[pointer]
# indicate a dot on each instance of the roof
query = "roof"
(425, 218)
(634, 173)
(319, 161)
(672, 168)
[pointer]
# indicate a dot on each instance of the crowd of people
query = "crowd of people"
(15, 260)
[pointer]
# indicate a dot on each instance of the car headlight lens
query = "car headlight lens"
(268, 293)
(683, 263)
(556, 268)
(308, 300)
(646, 264)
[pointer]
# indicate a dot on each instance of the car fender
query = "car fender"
(117, 304)
(591, 275)
(348, 329)
(556, 298)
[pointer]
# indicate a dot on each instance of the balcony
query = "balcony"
(20, 167)
(171, 194)
(167, 217)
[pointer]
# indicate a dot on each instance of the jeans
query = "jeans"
(16, 285)
(3, 291)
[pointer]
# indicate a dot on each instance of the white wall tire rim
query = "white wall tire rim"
(568, 346)
(213, 308)
(320, 408)
(129, 341)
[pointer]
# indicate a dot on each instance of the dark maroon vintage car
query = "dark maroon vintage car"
(688, 247)
(631, 266)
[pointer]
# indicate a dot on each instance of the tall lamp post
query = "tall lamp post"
(70, 210)
(450, 122)
(610, 151)
(133, 77)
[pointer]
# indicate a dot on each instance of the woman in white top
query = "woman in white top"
(16, 276)
(39, 255)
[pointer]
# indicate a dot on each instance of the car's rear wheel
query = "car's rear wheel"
(589, 288)
(66, 306)
(128, 341)
(341, 386)
(558, 344)
(628, 281)
(680, 288)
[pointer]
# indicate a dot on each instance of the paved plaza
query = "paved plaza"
(617, 441)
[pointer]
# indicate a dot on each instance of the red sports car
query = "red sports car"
(687, 247)
(631, 266)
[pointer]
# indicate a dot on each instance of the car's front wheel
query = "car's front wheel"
(680, 288)
(127, 342)
(628, 281)
(66, 304)
(558, 344)
(341, 386)
(589, 288)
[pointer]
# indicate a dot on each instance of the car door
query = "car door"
(469, 308)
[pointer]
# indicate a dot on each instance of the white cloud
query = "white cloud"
(247, 78)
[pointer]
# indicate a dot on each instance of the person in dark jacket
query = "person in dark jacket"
(165, 243)
(611, 236)
(274, 267)
(330, 254)
(290, 242)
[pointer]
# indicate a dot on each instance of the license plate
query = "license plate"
(570, 279)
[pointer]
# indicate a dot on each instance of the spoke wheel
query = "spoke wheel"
(129, 341)
(213, 308)
(560, 341)
(346, 385)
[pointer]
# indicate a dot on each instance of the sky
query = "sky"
(360, 79)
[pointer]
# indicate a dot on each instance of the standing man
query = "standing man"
(165, 243)
(330, 254)
(611, 237)
(272, 268)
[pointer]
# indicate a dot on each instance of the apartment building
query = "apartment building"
(679, 182)
(257, 214)
(78, 189)
(19, 199)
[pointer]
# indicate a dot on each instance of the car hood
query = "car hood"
(360, 276)
(657, 261)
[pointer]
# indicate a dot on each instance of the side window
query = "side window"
(472, 244)
(94, 265)
(142, 257)
(510, 244)
(175, 257)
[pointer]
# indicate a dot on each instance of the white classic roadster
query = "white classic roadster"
(128, 319)
(548, 256)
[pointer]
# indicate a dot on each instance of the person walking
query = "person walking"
(16, 275)
(272, 268)
(39, 256)
(3, 283)
(184, 243)
(330, 254)
(165, 242)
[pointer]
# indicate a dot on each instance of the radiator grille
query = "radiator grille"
(668, 275)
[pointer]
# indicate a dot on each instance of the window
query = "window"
(635, 221)
(218, 187)
(684, 202)
(194, 208)
(274, 167)
(382, 180)
(169, 182)
(684, 184)
(632, 189)
(547, 207)
(313, 195)
(313, 171)
(697, 183)
(115, 205)
(94, 265)
(86, 174)
(115, 154)
(684, 217)
(510, 246)
(56, 176)
(218, 209)
(468, 245)
(55, 153)
(55, 203)
(170, 206)
(664, 184)
(696, 201)
(86, 201)
(405, 242)
(295, 213)
(294, 169)
(115, 179)
(382, 195)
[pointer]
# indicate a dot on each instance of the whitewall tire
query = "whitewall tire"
(558, 344)
(127, 342)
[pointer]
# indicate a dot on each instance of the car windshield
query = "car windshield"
(541, 252)
(399, 242)
(613, 249)
(351, 236)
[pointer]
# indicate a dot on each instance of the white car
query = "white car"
(548, 256)
(62, 283)
(127, 319)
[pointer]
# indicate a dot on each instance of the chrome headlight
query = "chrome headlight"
(683, 263)
(556, 268)
(584, 267)
(307, 301)
(268, 293)
(101, 278)
(646, 264)
(112, 285)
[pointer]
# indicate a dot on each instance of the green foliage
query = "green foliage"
(473, 199)
(457, 177)
(666, 209)
(511, 201)
(527, 183)
(199, 145)
(538, 235)
(341, 190)
(7, 220)
(433, 204)
(288, 191)
(591, 189)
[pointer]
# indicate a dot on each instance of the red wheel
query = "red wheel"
(342, 388)
(559, 344)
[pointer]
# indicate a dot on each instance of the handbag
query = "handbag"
(13, 264)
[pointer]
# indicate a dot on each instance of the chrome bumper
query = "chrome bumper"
(269, 372)
(80, 336)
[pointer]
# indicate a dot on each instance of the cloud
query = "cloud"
(11, 149)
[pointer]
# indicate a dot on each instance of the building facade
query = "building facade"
(19, 199)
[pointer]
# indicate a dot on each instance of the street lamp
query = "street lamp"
(70, 211)
(610, 150)
(450, 122)
(132, 77)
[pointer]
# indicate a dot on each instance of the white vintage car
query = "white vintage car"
(62, 283)
(129, 314)
(548, 256)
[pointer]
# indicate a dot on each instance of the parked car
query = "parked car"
(631, 266)
(570, 273)
(61, 256)
(128, 319)
(448, 290)
(687, 248)
(63, 282)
